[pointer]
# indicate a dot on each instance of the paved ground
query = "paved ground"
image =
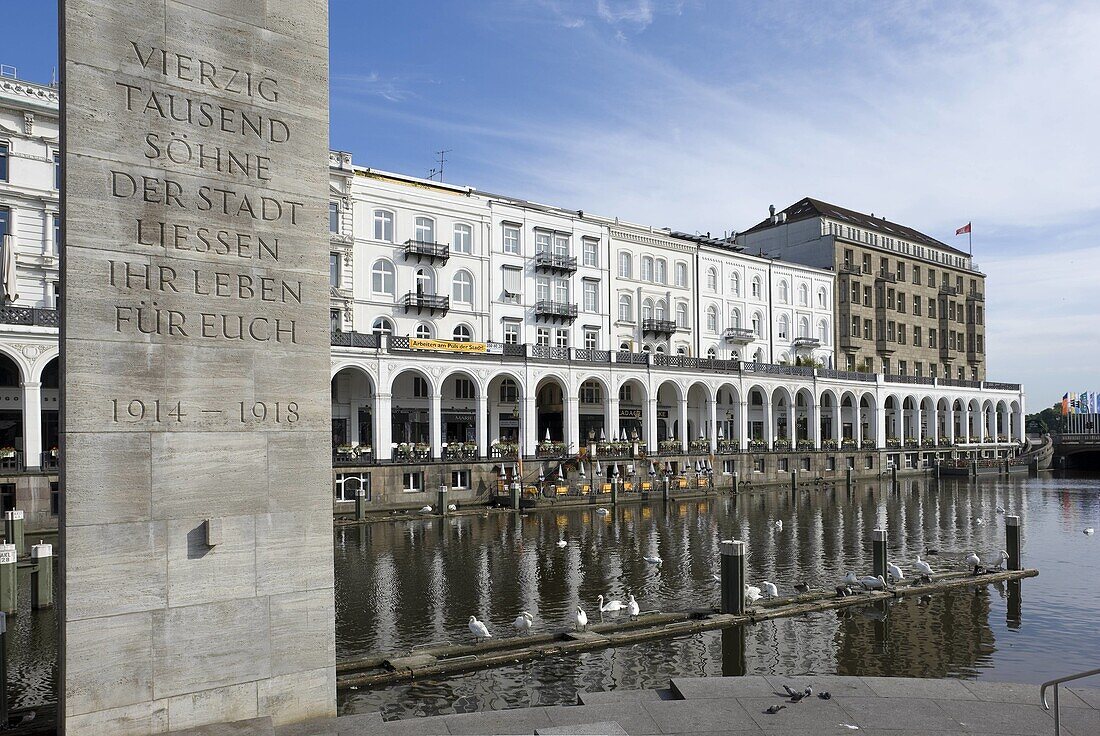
(713, 706)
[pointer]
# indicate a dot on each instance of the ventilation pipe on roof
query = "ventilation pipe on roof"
(782, 216)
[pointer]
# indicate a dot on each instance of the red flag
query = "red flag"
(963, 230)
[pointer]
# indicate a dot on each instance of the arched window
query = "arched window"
(735, 317)
(660, 311)
(424, 230)
(590, 392)
(735, 284)
(712, 319)
(784, 359)
(803, 327)
(822, 298)
(423, 331)
(462, 333)
(333, 217)
(681, 315)
(625, 346)
(425, 281)
(734, 356)
(681, 350)
(784, 292)
(712, 353)
(712, 279)
(804, 295)
(626, 308)
(681, 273)
(661, 273)
(823, 332)
(626, 265)
(783, 326)
(757, 323)
(463, 239)
(756, 286)
(647, 348)
(660, 349)
(462, 290)
(647, 268)
(383, 225)
(382, 325)
(647, 308)
(509, 391)
(382, 277)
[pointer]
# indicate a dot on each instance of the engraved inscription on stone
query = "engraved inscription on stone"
(195, 359)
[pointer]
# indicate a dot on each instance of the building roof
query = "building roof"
(809, 207)
(727, 243)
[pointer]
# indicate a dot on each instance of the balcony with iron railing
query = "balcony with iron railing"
(806, 343)
(557, 311)
(355, 339)
(947, 290)
(555, 262)
(851, 269)
(658, 326)
(30, 316)
(431, 303)
(885, 346)
(740, 335)
(975, 295)
(426, 250)
(887, 277)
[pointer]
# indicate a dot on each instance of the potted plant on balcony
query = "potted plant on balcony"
(421, 451)
(893, 442)
(758, 445)
(506, 449)
(910, 442)
(848, 443)
(728, 446)
(928, 442)
(701, 445)
(805, 444)
(945, 442)
(670, 446)
(868, 444)
(781, 445)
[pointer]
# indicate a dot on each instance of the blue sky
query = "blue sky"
(698, 115)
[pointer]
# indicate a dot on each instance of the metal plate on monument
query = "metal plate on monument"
(195, 358)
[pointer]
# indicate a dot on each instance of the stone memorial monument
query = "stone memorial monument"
(196, 532)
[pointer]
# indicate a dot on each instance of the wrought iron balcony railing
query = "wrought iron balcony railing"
(659, 326)
(425, 250)
(806, 342)
(12, 315)
(421, 302)
(556, 310)
(555, 262)
(739, 334)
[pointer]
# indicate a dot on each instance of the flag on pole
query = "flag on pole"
(963, 230)
(1065, 403)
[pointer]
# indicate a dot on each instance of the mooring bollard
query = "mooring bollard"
(441, 499)
(614, 492)
(734, 481)
(360, 504)
(9, 579)
(794, 481)
(515, 496)
(848, 477)
(1012, 543)
(665, 492)
(4, 669)
(894, 477)
(733, 576)
(42, 576)
(13, 530)
(878, 552)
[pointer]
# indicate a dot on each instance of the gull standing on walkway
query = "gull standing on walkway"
(479, 630)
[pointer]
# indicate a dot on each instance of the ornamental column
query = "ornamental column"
(651, 425)
(683, 409)
(712, 406)
(571, 423)
(530, 427)
(743, 426)
(32, 424)
(383, 428)
(612, 430)
(481, 425)
(815, 424)
(435, 424)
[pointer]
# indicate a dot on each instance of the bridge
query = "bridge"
(1076, 451)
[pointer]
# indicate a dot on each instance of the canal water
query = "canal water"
(417, 581)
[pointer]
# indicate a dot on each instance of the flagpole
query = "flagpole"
(970, 238)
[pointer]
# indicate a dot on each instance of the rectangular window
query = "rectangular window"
(334, 270)
(3, 161)
(805, 463)
(848, 257)
(561, 338)
(333, 217)
(511, 333)
(866, 329)
(932, 308)
(855, 292)
(916, 305)
(728, 467)
(931, 277)
(890, 299)
(917, 337)
(561, 245)
(901, 302)
(412, 482)
(512, 276)
(901, 271)
(855, 326)
(5, 222)
(869, 462)
(931, 337)
(511, 239)
(901, 333)
(335, 324)
(464, 388)
(460, 479)
(561, 290)
(542, 336)
(830, 462)
(55, 498)
(890, 331)
(784, 465)
(867, 296)
(420, 388)
(866, 263)
(916, 274)
(56, 233)
(591, 339)
(542, 242)
(591, 296)
(591, 252)
(542, 288)
(383, 226)
(903, 366)
(918, 369)
(57, 170)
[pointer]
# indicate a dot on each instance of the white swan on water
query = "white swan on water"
(1089, 530)
(779, 524)
(632, 607)
(850, 578)
(524, 622)
(479, 629)
(582, 619)
(652, 559)
(562, 543)
(872, 582)
(612, 606)
(426, 510)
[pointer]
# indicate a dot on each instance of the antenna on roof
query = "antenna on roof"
(442, 160)
(53, 77)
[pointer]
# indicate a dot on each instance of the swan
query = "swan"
(601, 511)
(562, 543)
(923, 568)
(769, 589)
(850, 578)
(652, 559)
(612, 606)
(752, 593)
(1001, 564)
(974, 561)
(478, 629)
(1089, 530)
(426, 510)
(524, 622)
(633, 608)
(894, 571)
(452, 507)
(870, 582)
(582, 619)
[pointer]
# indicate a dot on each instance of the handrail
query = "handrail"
(1056, 683)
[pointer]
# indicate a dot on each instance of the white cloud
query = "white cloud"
(635, 12)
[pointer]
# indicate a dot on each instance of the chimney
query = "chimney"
(771, 210)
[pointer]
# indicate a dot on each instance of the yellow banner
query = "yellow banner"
(450, 346)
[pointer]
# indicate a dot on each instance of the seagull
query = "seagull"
(850, 578)
(779, 525)
(582, 619)
(1000, 509)
(774, 709)
(479, 630)
(426, 510)
(894, 572)
(752, 593)
(923, 568)
(802, 587)
(563, 543)
(790, 692)
(601, 511)
(874, 582)
(652, 559)
(770, 591)
(1089, 530)
(452, 507)
(826, 695)
(797, 697)
(524, 622)
(979, 521)
(633, 608)
(974, 561)
(612, 606)
(717, 578)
